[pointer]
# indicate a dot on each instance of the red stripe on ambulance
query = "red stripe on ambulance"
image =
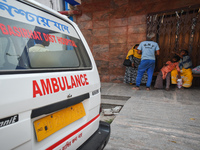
(54, 85)
(72, 134)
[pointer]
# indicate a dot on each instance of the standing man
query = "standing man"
(148, 49)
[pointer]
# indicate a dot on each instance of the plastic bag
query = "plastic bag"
(196, 70)
(179, 83)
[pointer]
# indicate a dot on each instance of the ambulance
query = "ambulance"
(49, 84)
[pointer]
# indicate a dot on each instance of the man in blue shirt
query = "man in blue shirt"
(148, 49)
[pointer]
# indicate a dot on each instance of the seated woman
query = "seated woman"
(185, 65)
(165, 73)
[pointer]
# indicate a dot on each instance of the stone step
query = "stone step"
(113, 97)
(112, 102)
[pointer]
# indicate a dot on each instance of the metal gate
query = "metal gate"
(175, 30)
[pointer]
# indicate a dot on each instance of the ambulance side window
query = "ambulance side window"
(8, 56)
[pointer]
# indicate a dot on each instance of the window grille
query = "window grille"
(175, 30)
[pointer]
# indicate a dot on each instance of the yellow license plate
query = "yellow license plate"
(48, 125)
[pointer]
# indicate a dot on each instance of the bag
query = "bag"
(196, 70)
(179, 83)
(127, 63)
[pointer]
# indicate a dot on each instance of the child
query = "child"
(165, 73)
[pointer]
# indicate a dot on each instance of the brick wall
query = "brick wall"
(112, 27)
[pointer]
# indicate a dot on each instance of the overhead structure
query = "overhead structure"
(73, 2)
(72, 8)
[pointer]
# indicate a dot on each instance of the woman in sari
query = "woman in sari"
(131, 72)
(185, 65)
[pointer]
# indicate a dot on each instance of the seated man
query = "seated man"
(39, 46)
(185, 65)
(40, 43)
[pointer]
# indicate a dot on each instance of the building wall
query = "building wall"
(112, 27)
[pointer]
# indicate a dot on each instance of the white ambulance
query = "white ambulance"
(49, 83)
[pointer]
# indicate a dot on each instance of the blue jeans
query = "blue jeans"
(148, 65)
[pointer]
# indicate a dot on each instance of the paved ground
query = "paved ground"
(155, 120)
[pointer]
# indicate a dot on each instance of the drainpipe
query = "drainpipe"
(70, 12)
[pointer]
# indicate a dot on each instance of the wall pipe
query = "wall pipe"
(71, 12)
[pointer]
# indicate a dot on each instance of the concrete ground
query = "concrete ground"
(156, 119)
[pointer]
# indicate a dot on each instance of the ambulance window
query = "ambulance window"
(8, 55)
(25, 46)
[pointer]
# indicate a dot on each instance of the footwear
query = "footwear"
(167, 89)
(148, 89)
(136, 88)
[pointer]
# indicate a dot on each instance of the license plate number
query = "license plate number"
(48, 125)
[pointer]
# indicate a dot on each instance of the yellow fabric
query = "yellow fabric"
(133, 52)
(130, 52)
(136, 54)
(186, 75)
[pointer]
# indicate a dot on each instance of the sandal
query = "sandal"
(167, 89)
(136, 88)
(148, 89)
